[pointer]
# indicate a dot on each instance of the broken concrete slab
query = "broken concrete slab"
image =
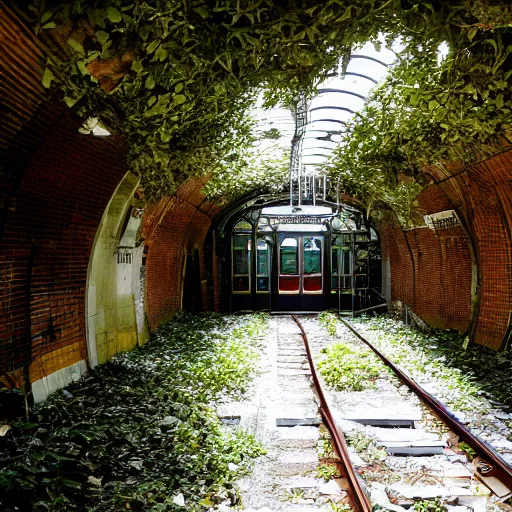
(414, 451)
(294, 422)
(401, 435)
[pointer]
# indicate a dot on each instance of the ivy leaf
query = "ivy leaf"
(493, 43)
(150, 83)
(161, 54)
(178, 99)
(499, 101)
(48, 77)
(152, 46)
(50, 24)
(113, 15)
(46, 16)
(470, 89)
(137, 66)
(202, 11)
(178, 88)
(70, 101)
(101, 36)
(81, 66)
(71, 483)
(432, 105)
(77, 47)
(472, 33)
(346, 15)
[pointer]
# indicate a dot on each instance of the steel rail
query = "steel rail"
(502, 471)
(338, 439)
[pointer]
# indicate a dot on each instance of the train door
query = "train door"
(300, 273)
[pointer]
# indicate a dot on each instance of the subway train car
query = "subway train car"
(283, 258)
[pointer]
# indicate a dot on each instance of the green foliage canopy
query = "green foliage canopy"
(431, 110)
(186, 72)
(183, 75)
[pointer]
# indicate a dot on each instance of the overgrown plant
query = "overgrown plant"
(176, 79)
(345, 369)
(367, 447)
(465, 376)
(141, 432)
(327, 472)
(432, 108)
(329, 321)
(434, 505)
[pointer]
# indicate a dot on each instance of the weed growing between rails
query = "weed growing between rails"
(344, 368)
(329, 321)
(140, 432)
(329, 470)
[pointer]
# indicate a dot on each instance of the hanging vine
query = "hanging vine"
(431, 109)
(176, 79)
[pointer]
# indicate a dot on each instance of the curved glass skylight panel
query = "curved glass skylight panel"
(331, 112)
(351, 83)
(339, 98)
(367, 67)
(326, 142)
(317, 133)
(322, 150)
(352, 101)
(329, 125)
(314, 159)
(315, 143)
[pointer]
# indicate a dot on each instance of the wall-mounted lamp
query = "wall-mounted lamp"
(93, 126)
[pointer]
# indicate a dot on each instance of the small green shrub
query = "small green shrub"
(345, 369)
(329, 321)
(326, 472)
(434, 505)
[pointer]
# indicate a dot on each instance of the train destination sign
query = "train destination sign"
(442, 220)
(296, 219)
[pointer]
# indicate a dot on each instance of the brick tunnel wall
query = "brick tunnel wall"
(55, 187)
(490, 192)
(173, 228)
(432, 271)
(45, 250)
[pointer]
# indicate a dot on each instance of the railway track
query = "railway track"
(293, 407)
(488, 467)
(491, 464)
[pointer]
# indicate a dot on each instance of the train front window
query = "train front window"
(289, 257)
(289, 280)
(312, 256)
(241, 263)
(262, 266)
(312, 251)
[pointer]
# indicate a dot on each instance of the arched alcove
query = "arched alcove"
(115, 282)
